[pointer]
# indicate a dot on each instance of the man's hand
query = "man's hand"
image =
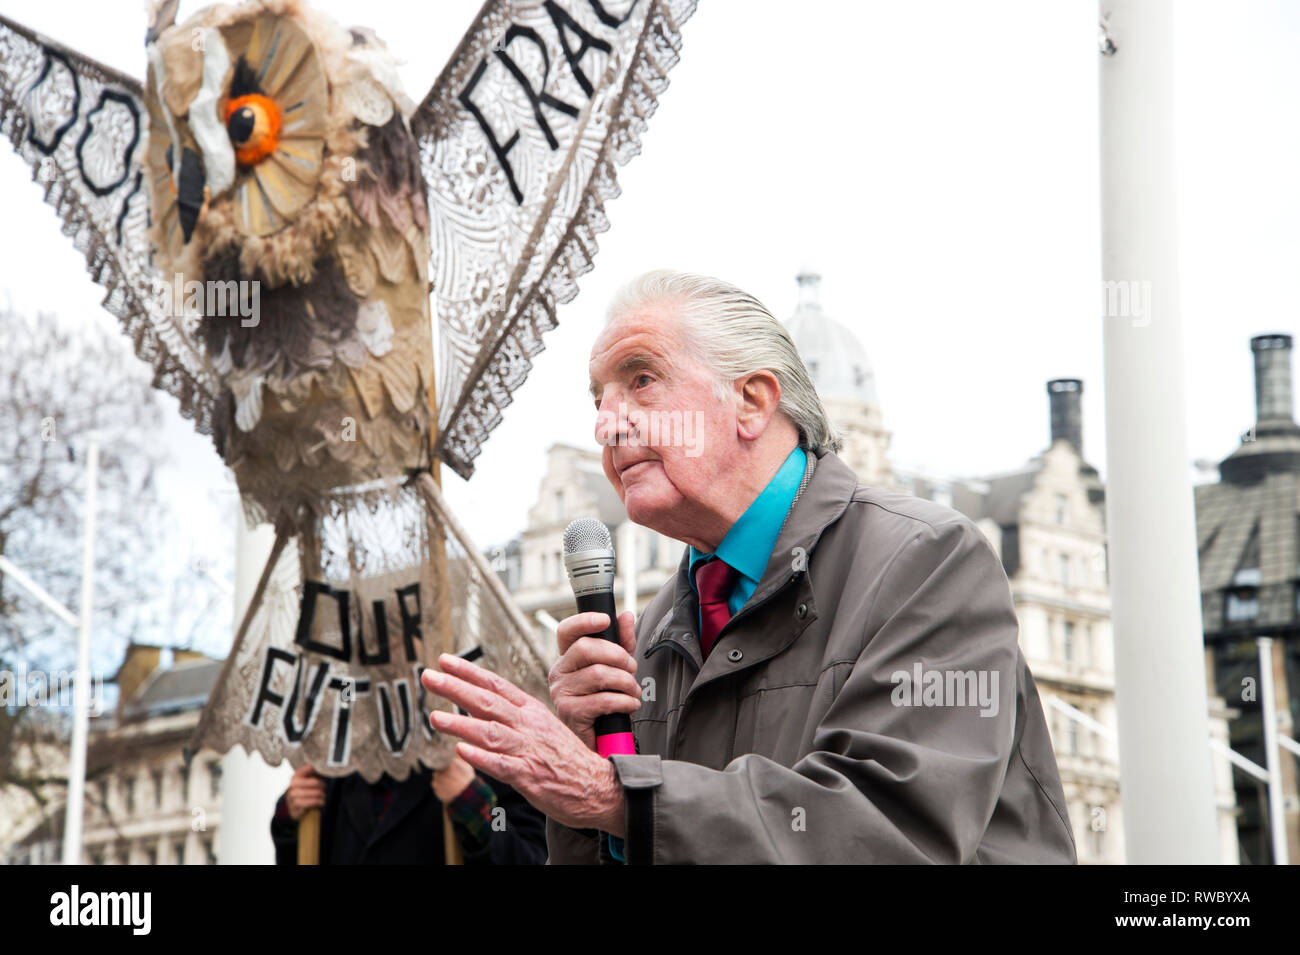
(452, 780)
(594, 676)
(306, 791)
(515, 738)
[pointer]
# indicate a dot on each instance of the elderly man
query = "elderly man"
(832, 676)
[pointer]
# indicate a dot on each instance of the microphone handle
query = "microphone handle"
(613, 730)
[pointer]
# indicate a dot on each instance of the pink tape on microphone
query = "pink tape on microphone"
(613, 744)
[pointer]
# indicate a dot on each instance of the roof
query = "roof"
(1228, 515)
(177, 688)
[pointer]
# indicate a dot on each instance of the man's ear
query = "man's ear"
(757, 396)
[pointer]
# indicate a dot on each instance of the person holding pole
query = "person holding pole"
(401, 823)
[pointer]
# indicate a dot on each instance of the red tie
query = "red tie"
(714, 581)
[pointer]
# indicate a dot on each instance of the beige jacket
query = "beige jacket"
(868, 704)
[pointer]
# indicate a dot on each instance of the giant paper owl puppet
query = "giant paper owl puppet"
(275, 222)
(281, 169)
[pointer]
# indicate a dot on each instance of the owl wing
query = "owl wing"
(82, 127)
(518, 142)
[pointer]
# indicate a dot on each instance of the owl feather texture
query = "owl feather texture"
(281, 159)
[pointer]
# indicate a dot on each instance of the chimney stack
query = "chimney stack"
(1272, 378)
(1066, 397)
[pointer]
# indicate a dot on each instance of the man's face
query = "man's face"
(665, 431)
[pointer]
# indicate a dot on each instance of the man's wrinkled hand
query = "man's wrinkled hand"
(593, 676)
(517, 739)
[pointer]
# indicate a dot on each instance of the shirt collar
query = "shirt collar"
(748, 544)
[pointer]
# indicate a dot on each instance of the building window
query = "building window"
(1242, 605)
(1063, 569)
(210, 851)
(559, 505)
(214, 778)
(157, 788)
(1062, 509)
(97, 858)
(185, 782)
(151, 854)
(1073, 733)
(178, 853)
(1067, 641)
(129, 795)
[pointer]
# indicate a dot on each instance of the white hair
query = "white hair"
(733, 335)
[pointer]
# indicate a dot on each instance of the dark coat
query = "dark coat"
(411, 831)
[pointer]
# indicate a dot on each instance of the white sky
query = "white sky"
(936, 161)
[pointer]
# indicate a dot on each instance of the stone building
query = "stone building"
(1248, 540)
(145, 804)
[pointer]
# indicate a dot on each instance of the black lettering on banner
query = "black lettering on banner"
(410, 621)
(502, 152)
(312, 589)
(395, 742)
(341, 737)
(608, 18)
(561, 19)
(292, 732)
(382, 655)
(56, 137)
(538, 96)
(264, 692)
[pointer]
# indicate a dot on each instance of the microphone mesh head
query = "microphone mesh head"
(587, 533)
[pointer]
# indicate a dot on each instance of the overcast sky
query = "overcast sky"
(937, 162)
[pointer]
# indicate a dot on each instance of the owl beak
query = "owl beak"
(189, 191)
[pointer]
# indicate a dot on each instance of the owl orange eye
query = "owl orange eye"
(253, 122)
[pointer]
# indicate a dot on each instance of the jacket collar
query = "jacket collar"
(824, 495)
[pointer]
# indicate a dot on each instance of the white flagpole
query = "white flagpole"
(81, 695)
(1268, 716)
(249, 787)
(1166, 781)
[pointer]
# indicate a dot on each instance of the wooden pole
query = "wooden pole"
(442, 579)
(309, 838)
(309, 824)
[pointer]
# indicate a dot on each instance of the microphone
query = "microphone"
(589, 562)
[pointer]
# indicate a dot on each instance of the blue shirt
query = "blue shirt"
(748, 545)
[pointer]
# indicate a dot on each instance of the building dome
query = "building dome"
(835, 358)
